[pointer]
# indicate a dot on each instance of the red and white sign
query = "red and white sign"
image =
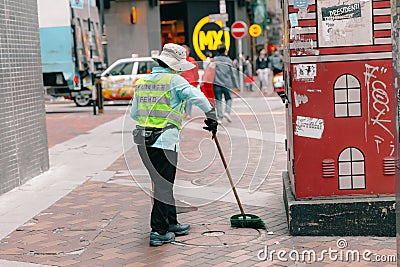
(239, 29)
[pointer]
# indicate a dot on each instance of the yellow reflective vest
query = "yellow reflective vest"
(154, 103)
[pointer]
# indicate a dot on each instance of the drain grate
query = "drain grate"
(213, 233)
(218, 235)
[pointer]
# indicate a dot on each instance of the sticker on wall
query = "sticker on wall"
(309, 127)
(293, 20)
(300, 3)
(314, 90)
(345, 23)
(300, 99)
(302, 13)
(305, 72)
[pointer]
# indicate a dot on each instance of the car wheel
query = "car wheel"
(82, 99)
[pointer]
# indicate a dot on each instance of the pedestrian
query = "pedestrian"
(276, 62)
(262, 69)
(157, 107)
(192, 76)
(207, 61)
(207, 83)
(224, 81)
(248, 72)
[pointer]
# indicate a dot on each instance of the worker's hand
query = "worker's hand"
(211, 122)
(212, 126)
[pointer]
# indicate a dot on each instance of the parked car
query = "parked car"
(118, 80)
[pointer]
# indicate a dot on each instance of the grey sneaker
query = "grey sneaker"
(179, 229)
(228, 117)
(157, 240)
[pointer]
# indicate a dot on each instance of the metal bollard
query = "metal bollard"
(94, 94)
(100, 98)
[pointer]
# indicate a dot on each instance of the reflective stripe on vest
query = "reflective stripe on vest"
(154, 103)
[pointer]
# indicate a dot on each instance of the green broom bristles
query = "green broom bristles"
(247, 221)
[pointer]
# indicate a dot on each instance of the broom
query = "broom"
(241, 220)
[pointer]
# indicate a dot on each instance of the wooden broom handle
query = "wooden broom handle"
(228, 173)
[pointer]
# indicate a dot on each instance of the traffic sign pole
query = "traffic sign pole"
(239, 30)
(241, 76)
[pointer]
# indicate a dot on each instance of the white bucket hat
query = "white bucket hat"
(174, 56)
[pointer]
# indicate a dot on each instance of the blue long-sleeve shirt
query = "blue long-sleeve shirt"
(180, 90)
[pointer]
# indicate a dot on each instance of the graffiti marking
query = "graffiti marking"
(378, 103)
(378, 140)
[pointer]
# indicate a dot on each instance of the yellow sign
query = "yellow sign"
(209, 40)
(255, 30)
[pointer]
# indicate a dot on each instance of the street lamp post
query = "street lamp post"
(103, 33)
(92, 74)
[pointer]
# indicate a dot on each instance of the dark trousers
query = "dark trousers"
(276, 71)
(161, 165)
(218, 92)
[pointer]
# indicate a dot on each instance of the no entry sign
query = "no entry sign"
(239, 29)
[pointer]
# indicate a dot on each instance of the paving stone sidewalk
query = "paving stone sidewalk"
(105, 222)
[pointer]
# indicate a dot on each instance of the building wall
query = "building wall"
(124, 38)
(23, 137)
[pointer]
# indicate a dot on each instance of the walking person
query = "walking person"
(276, 62)
(248, 72)
(207, 61)
(192, 76)
(262, 69)
(158, 109)
(224, 80)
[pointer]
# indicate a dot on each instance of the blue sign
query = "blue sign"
(77, 3)
(300, 4)
(293, 20)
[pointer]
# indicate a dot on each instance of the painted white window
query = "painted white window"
(351, 169)
(347, 96)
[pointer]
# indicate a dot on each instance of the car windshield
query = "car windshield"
(122, 69)
(145, 67)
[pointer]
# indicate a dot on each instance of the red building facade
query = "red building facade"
(341, 115)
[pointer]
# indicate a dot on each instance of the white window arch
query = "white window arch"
(351, 169)
(347, 95)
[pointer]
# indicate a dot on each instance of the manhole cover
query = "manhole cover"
(218, 235)
(213, 233)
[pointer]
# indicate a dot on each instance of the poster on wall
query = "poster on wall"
(305, 72)
(344, 23)
(309, 127)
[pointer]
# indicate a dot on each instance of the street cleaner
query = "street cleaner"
(158, 106)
